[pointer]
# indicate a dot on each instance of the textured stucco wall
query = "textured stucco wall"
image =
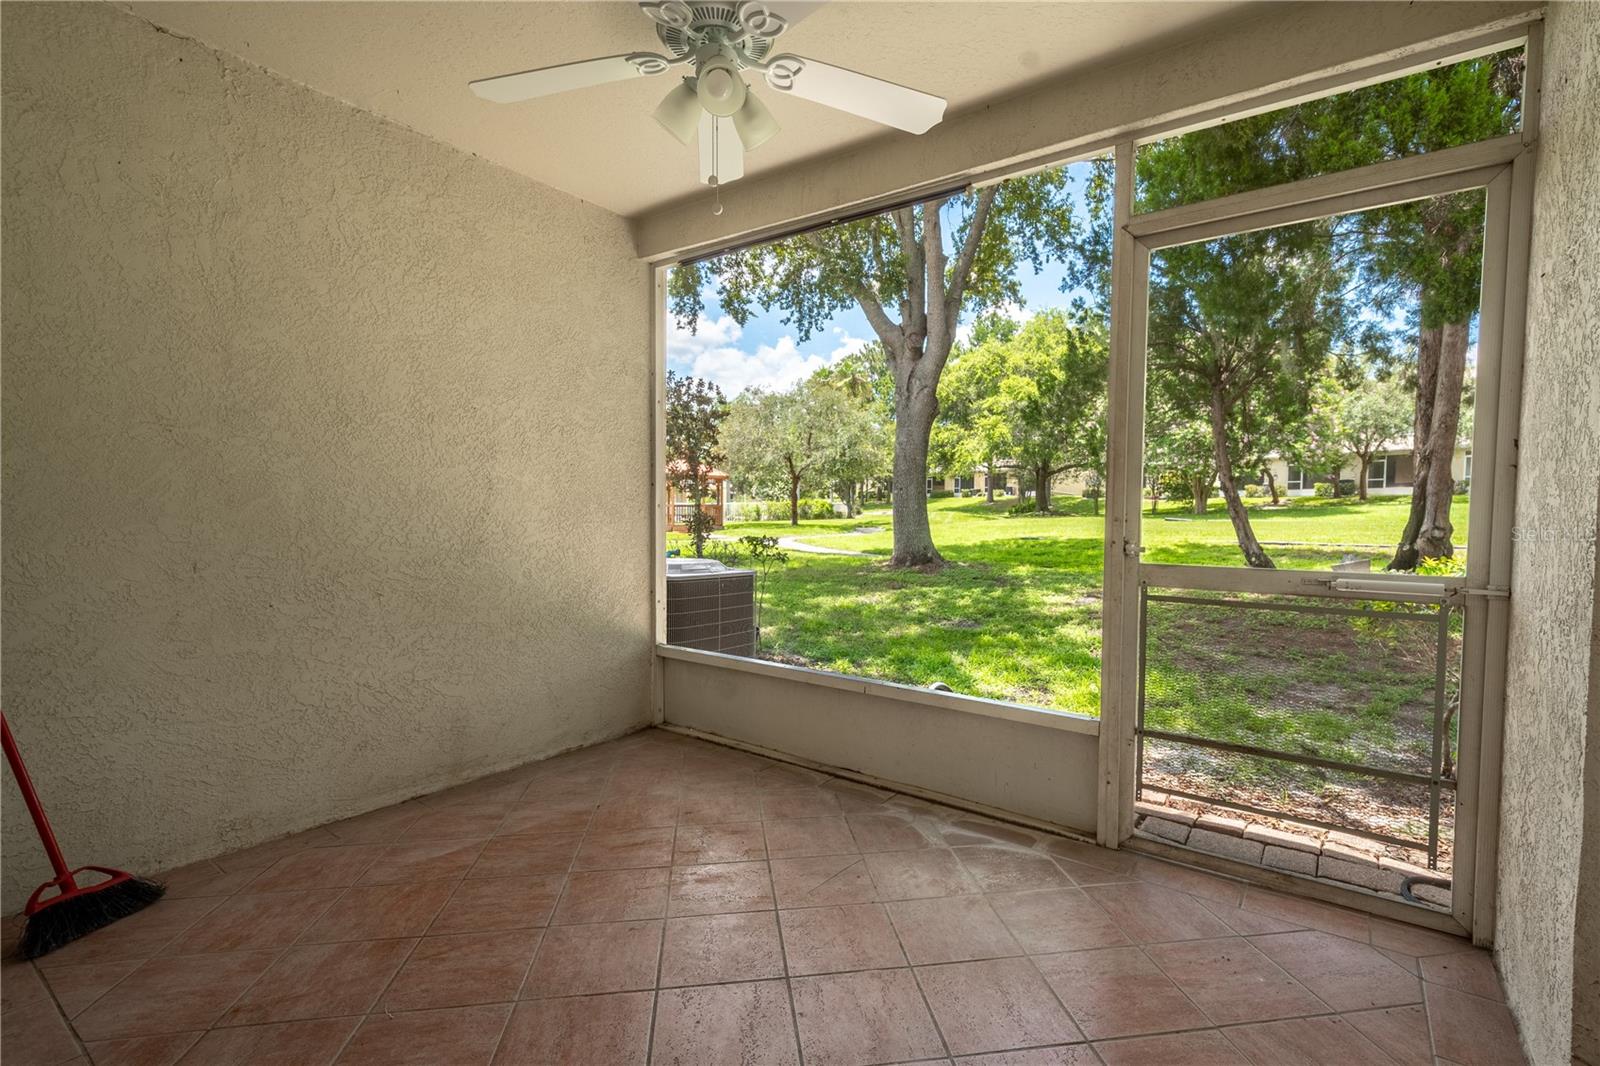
(326, 460)
(1554, 555)
(1586, 932)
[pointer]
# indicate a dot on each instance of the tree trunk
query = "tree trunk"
(1041, 488)
(1199, 492)
(1272, 485)
(794, 499)
(915, 408)
(1254, 554)
(698, 523)
(988, 482)
(1433, 538)
(1361, 482)
(1422, 517)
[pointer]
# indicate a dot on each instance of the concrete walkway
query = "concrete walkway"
(793, 544)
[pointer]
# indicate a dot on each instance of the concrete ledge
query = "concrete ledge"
(953, 701)
(1228, 845)
(1366, 874)
(1295, 860)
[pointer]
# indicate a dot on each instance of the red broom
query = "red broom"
(75, 910)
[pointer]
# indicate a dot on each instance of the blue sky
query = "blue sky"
(770, 355)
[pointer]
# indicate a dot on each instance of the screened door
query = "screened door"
(1307, 556)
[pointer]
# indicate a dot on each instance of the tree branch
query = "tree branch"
(915, 319)
(936, 320)
(957, 287)
(892, 336)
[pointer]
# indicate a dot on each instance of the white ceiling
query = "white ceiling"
(410, 62)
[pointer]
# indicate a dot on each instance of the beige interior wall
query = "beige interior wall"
(1553, 569)
(326, 459)
(1586, 931)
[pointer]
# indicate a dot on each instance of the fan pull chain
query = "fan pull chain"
(716, 162)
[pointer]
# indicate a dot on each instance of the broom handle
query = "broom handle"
(31, 798)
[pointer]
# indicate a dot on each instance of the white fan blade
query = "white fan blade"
(721, 152)
(859, 94)
(509, 88)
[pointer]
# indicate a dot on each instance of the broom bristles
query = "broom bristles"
(64, 920)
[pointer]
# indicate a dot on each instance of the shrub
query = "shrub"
(1028, 506)
(1448, 566)
(725, 552)
(1462, 487)
(1323, 488)
(1255, 492)
(1347, 486)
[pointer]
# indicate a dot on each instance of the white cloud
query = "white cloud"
(714, 353)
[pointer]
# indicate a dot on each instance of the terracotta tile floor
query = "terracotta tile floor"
(658, 899)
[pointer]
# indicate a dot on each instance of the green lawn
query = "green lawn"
(1016, 615)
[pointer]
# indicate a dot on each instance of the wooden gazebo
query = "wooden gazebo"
(679, 506)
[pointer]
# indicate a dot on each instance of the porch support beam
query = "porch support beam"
(1271, 57)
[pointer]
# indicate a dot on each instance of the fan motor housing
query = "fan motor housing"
(685, 27)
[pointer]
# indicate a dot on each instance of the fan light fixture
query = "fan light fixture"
(754, 123)
(720, 39)
(679, 111)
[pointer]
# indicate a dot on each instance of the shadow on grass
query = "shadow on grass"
(1007, 619)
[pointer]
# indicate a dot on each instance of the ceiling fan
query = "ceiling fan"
(720, 39)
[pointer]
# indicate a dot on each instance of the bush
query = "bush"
(1449, 566)
(1323, 488)
(809, 507)
(725, 552)
(1462, 487)
(1028, 506)
(1347, 486)
(1255, 492)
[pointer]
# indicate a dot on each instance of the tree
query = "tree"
(1316, 443)
(1371, 415)
(695, 410)
(1178, 457)
(1036, 399)
(779, 441)
(1233, 325)
(1422, 257)
(1428, 253)
(865, 448)
(968, 434)
(913, 272)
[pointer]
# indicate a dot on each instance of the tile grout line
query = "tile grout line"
(916, 979)
(788, 977)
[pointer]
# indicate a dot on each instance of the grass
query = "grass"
(1016, 614)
